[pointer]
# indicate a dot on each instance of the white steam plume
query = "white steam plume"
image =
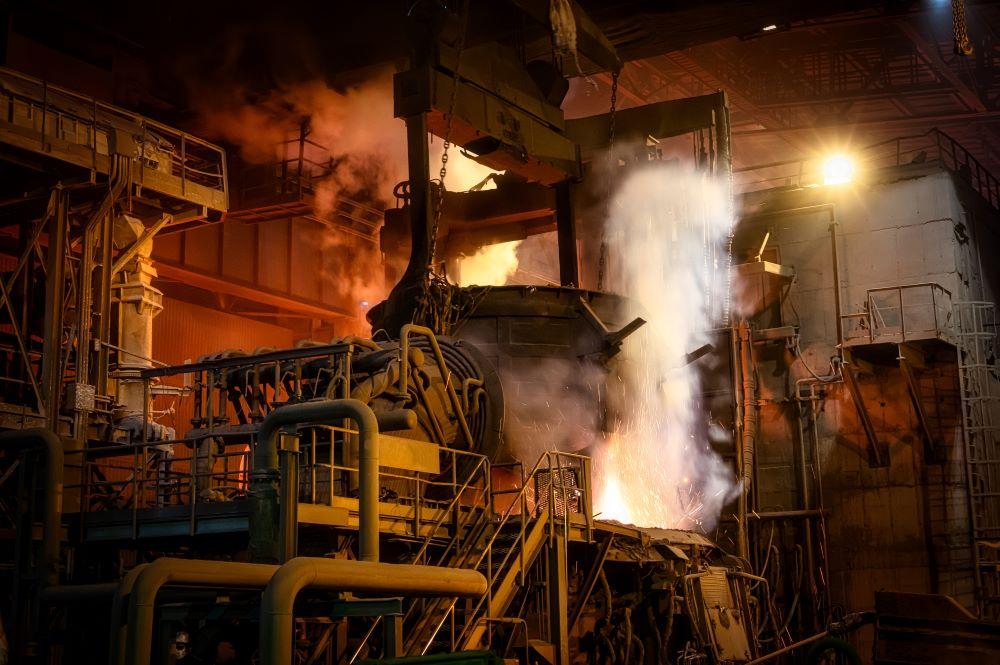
(667, 228)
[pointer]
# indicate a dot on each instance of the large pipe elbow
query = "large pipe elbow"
(49, 441)
(264, 513)
(300, 573)
(319, 412)
(147, 583)
(118, 636)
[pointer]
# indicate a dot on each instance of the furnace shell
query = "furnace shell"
(553, 363)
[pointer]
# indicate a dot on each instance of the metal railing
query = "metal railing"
(300, 166)
(894, 314)
(562, 501)
(244, 388)
(93, 129)
(933, 145)
(468, 523)
(523, 512)
(151, 475)
(297, 175)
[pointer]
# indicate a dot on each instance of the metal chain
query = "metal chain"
(602, 260)
(963, 45)
(446, 145)
(441, 305)
(614, 105)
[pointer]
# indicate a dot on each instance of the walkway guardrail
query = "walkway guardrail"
(905, 313)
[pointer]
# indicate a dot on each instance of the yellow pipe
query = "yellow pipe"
(276, 627)
(188, 572)
(270, 524)
(116, 642)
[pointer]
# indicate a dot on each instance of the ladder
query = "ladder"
(979, 384)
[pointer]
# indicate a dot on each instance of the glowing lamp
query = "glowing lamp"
(837, 170)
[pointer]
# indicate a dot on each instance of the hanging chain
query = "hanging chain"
(963, 45)
(446, 145)
(603, 259)
(442, 306)
(614, 106)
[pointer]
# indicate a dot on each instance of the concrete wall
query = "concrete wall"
(902, 526)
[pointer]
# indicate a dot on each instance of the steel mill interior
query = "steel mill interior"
(500, 332)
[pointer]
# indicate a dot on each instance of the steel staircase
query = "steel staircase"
(510, 551)
(503, 546)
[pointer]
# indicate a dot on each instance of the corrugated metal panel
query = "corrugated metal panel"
(307, 259)
(274, 240)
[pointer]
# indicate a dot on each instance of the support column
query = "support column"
(559, 601)
(392, 626)
(140, 302)
(569, 263)
(54, 291)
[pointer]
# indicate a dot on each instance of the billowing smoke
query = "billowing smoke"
(353, 136)
(355, 150)
(668, 228)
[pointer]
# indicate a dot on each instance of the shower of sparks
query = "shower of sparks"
(656, 468)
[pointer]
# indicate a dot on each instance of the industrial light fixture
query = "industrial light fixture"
(769, 28)
(837, 170)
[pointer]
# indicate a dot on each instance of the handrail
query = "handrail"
(872, 321)
(520, 501)
(188, 158)
(509, 620)
(484, 461)
(265, 358)
(137, 481)
(886, 153)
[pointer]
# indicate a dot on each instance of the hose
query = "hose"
(640, 650)
(657, 638)
(606, 592)
(817, 654)
(627, 617)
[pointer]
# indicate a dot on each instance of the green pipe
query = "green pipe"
(48, 441)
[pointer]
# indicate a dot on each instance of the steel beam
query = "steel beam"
(906, 364)
(569, 262)
(252, 292)
(875, 456)
(591, 581)
(54, 290)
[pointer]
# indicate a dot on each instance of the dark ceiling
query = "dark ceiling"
(828, 70)
(280, 40)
